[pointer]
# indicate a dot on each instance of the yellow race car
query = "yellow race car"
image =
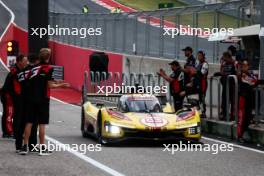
(138, 116)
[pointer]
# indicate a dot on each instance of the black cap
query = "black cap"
(232, 48)
(187, 48)
(176, 63)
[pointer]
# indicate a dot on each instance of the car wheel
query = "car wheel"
(84, 133)
(100, 139)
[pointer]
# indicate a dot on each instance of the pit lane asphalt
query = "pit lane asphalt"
(133, 158)
(139, 158)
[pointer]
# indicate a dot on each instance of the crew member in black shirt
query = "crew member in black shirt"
(190, 61)
(23, 78)
(40, 81)
(176, 80)
(227, 68)
(13, 101)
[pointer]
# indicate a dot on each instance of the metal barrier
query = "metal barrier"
(111, 78)
(143, 32)
(259, 104)
(151, 79)
(84, 87)
(217, 79)
(141, 79)
(234, 78)
(114, 79)
(220, 95)
(125, 79)
(133, 77)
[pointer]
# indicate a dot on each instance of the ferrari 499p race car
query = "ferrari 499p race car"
(138, 116)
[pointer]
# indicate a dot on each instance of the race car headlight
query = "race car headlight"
(112, 129)
(115, 129)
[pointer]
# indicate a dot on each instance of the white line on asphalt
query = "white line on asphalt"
(63, 102)
(235, 145)
(3, 64)
(86, 158)
(11, 20)
(1, 113)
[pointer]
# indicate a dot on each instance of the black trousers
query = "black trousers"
(245, 112)
(178, 102)
(202, 102)
(3, 120)
(19, 124)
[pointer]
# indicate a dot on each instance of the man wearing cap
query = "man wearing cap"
(189, 66)
(188, 53)
(176, 80)
(227, 68)
(247, 81)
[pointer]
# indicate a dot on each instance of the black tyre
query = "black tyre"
(100, 139)
(83, 130)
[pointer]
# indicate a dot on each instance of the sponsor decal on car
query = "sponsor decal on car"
(154, 121)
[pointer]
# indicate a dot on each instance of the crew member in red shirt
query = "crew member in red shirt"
(11, 98)
(247, 81)
(201, 80)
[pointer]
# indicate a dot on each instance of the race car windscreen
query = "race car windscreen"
(141, 104)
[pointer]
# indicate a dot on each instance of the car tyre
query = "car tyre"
(84, 133)
(100, 139)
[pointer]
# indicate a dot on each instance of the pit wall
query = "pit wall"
(76, 59)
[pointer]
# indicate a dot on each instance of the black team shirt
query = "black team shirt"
(177, 85)
(35, 83)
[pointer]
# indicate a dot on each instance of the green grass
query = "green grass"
(148, 4)
(205, 19)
